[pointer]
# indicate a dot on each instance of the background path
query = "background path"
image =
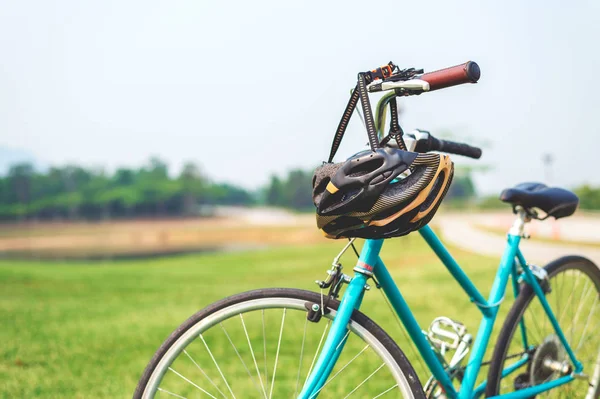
(466, 232)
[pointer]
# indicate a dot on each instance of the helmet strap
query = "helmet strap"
(359, 92)
(395, 129)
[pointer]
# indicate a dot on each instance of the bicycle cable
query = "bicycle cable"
(354, 248)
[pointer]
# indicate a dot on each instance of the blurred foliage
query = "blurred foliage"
(462, 187)
(589, 197)
(75, 192)
(491, 202)
(294, 191)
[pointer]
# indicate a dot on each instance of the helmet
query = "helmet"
(379, 194)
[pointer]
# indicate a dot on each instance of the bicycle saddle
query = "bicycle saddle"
(554, 201)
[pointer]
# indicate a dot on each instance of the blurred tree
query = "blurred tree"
(589, 197)
(295, 191)
(76, 192)
(275, 194)
(124, 177)
(193, 185)
(158, 168)
(298, 189)
(462, 187)
(20, 178)
(227, 194)
(156, 188)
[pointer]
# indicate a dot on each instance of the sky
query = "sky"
(248, 89)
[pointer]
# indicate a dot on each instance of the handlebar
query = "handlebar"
(453, 147)
(425, 142)
(408, 82)
(468, 72)
(405, 82)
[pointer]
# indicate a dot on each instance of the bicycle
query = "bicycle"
(229, 350)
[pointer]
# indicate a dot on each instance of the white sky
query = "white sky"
(232, 86)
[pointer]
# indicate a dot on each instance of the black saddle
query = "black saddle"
(554, 201)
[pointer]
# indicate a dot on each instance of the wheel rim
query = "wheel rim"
(575, 300)
(249, 350)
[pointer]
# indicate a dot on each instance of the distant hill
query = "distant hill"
(11, 156)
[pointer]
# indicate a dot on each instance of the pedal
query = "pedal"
(450, 335)
(446, 333)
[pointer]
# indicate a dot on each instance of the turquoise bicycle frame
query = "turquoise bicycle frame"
(370, 264)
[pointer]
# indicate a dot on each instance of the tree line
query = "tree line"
(589, 197)
(74, 192)
(77, 193)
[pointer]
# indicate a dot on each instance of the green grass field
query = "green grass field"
(87, 330)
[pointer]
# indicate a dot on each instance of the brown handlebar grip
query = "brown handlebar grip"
(468, 72)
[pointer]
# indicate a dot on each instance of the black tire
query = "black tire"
(519, 308)
(357, 317)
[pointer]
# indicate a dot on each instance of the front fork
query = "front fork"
(334, 344)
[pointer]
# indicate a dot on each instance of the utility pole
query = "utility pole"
(548, 160)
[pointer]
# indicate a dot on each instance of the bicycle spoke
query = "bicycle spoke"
(570, 330)
(277, 354)
(222, 370)
(539, 333)
(240, 357)
(253, 357)
(586, 324)
(171, 393)
(411, 343)
(317, 351)
(386, 391)
(575, 284)
(185, 379)
(582, 300)
(546, 319)
(342, 340)
(265, 348)
(365, 380)
(559, 279)
(203, 373)
(217, 365)
(339, 371)
(586, 340)
(301, 355)
(574, 298)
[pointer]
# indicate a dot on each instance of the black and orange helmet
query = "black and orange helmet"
(379, 194)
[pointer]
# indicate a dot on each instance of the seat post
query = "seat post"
(518, 227)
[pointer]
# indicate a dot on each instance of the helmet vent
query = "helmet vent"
(366, 167)
(434, 191)
(321, 186)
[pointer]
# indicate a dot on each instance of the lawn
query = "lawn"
(87, 330)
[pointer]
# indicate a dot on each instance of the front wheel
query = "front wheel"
(529, 344)
(260, 344)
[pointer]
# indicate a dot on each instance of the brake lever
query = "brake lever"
(404, 74)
